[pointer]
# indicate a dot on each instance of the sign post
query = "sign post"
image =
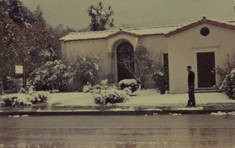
(19, 70)
(1, 87)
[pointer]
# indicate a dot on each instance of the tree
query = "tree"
(24, 38)
(100, 17)
(17, 11)
(8, 46)
(228, 66)
(143, 65)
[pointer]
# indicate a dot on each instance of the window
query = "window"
(205, 31)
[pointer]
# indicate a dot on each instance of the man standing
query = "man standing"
(191, 79)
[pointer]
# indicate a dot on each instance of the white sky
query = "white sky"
(73, 13)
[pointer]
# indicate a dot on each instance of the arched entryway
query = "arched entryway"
(125, 61)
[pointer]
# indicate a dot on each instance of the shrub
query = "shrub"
(131, 84)
(143, 65)
(25, 99)
(64, 75)
(87, 88)
(20, 100)
(104, 94)
(159, 81)
(39, 97)
(85, 70)
(228, 85)
(227, 67)
(109, 95)
(52, 75)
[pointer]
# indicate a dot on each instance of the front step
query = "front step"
(207, 90)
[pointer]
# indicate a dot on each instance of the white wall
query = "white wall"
(156, 45)
(184, 46)
(92, 48)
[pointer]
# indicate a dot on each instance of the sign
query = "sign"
(18, 69)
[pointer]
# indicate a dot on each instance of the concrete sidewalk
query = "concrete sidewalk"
(119, 110)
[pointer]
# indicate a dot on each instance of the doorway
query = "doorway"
(125, 61)
(206, 69)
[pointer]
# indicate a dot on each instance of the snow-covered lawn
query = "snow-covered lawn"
(75, 98)
(144, 98)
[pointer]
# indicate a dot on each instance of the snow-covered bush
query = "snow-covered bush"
(20, 100)
(228, 84)
(52, 75)
(64, 75)
(109, 95)
(159, 81)
(131, 84)
(143, 65)
(227, 67)
(87, 88)
(104, 94)
(85, 70)
(25, 99)
(39, 97)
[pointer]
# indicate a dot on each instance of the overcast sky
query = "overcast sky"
(73, 13)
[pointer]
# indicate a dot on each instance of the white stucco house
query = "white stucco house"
(203, 44)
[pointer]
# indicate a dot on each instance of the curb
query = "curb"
(122, 112)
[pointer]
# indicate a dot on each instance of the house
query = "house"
(204, 44)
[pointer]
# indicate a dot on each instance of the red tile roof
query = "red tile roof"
(202, 21)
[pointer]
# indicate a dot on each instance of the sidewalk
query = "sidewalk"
(147, 102)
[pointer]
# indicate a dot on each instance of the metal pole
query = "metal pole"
(24, 77)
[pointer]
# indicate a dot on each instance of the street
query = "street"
(161, 131)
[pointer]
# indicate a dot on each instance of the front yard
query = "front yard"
(149, 97)
(144, 98)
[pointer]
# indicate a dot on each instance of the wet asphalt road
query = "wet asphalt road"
(162, 131)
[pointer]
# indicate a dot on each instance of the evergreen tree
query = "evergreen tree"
(100, 17)
(24, 38)
(8, 45)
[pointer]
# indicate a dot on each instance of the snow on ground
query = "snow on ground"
(75, 98)
(148, 97)
(152, 97)
(219, 113)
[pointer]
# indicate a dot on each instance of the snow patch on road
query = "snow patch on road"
(219, 113)
(187, 108)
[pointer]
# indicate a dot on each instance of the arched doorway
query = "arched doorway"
(125, 61)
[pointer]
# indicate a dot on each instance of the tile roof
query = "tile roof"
(164, 30)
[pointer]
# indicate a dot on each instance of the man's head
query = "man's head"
(189, 68)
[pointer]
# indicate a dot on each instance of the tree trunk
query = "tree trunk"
(24, 77)
(1, 86)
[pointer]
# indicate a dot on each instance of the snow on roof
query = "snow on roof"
(163, 30)
(88, 35)
(104, 34)
(153, 30)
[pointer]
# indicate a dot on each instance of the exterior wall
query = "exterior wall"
(156, 45)
(91, 48)
(183, 49)
(63, 49)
